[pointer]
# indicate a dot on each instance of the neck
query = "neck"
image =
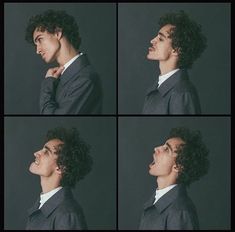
(166, 67)
(48, 184)
(67, 52)
(163, 183)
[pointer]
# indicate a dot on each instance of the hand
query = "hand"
(54, 72)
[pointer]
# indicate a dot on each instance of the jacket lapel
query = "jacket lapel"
(74, 68)
(167, 85)
(166, 199)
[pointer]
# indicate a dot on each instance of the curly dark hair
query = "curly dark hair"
(187, 37)
(192, 158)
(73, 155)
(51, 21)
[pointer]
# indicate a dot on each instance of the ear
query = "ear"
(58, 33)
(59, 170)
(175, 168)
(175, 52)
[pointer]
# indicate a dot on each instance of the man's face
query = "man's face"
(164, 157)
(161, 48)
(45, 159)
(47, 45)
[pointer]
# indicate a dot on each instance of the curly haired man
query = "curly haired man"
(63, 161)
(177, 45)
(181, 160)
(73, 87)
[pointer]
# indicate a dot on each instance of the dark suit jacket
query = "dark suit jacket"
(173, 211)
(76, 91)
(176, 95)
(60, 212)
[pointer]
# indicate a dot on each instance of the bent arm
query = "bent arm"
(81, 97)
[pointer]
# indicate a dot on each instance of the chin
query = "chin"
(149, 57)
(49, 60)
(32, 168)
(150, 173)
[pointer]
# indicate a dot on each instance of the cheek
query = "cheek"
(167, 164)
(47, 170)
(50, 45)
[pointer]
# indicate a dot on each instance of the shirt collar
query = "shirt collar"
(161, 192)
(45, 196)
(164, 77)
(71, 61)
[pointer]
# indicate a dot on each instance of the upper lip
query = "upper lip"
(154, 161)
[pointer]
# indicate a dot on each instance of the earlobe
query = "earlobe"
(58, 170)
(175, 52)
(175, 168)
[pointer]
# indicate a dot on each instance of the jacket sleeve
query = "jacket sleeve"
(181, 220)
(184, 103)
(47, 101)
(79, 98)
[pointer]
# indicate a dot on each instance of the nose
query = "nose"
(154, 40)
(38, 49)
(36, 154)
(156, 150)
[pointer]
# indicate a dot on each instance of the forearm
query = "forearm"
(47, 96)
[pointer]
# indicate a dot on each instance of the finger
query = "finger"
(59, 71)
(52, 72)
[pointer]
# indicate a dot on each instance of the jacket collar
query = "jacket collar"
(52, 203)
(74, 68)
(170, 82)
(167, 198)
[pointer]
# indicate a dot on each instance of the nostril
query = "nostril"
(36, 154)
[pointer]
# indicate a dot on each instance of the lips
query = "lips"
(152, 164)
(36, 161)
(43, 55)
(151, 49)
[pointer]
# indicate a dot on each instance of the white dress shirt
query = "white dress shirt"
(46, 196)
(70, 62)
(161, 192)
(164, 77)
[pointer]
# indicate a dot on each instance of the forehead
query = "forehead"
(37, 32)
(53, 143)
(166, 30)
(175, 142)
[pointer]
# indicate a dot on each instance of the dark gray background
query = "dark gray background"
(24, 69)
(211, 194)
(138, 24)
(96, 192)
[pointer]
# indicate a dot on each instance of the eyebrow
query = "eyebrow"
(48, 149)
(169, 146)
(35, 40)
(160, 33)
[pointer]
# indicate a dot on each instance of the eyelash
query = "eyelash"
(46, 152)
(166, 148)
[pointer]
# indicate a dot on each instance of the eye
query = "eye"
(39, 40)
(166, 148)
(45, 151)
